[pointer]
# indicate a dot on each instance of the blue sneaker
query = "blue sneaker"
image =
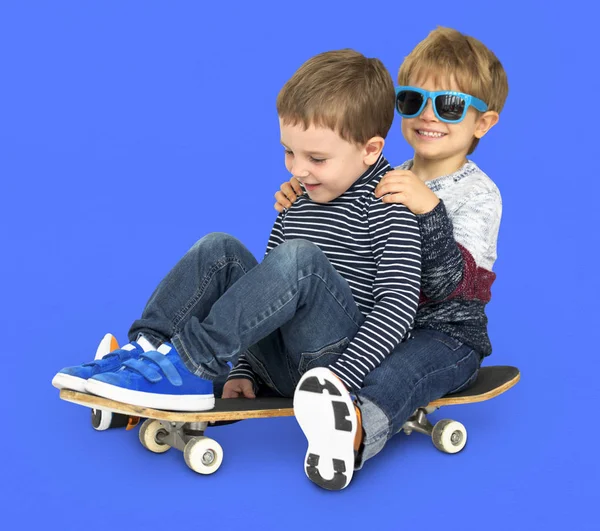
(157, 379)
(76, 376)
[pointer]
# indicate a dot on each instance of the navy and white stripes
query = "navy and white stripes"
(376, 247)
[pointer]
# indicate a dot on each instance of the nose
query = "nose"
(297, 169)
(428, 113)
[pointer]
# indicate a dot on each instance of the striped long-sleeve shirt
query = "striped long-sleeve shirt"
(376, 248)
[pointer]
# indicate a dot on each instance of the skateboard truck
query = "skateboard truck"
(201, 454)
(448, 436)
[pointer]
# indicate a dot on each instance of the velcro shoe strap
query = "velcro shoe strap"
(151, 374)
(165, 364)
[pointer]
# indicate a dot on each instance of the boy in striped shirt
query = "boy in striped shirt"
(458, 208)
(334, 296)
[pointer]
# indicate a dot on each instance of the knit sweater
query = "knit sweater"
(459, 250)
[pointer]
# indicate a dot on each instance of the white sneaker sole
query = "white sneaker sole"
(150, 400)
(68, 381)
(326, 414)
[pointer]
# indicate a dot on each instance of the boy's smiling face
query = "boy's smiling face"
(325, 163)
(433, 139)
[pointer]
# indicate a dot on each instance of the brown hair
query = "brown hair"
(448, 54)
(342, 90)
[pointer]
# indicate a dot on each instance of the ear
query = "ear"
(373, 149)
(485, 122)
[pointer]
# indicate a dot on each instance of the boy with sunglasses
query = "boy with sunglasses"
(452, 89)
(338, 288)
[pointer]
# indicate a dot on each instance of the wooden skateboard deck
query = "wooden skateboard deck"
(491, 382)
(229, 409)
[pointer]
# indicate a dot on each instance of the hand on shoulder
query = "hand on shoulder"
(288, 192)
(403, 186)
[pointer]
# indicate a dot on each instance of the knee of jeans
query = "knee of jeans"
(297, 252)
(298, 246)
(305, 252)
(217, 241)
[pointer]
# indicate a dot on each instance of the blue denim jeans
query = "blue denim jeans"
(290, 313)
(426, 367)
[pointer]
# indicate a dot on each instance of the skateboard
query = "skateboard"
(185, 430)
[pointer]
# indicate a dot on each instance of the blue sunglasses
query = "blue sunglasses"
(448, 106)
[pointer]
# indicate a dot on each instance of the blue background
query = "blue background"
(130, 129)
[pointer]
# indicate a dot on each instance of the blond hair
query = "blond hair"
(448, 54)
(341, 90)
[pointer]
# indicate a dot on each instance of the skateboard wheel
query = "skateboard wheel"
(148, 431)
(104, 420)
(449, 436)
(203, 455)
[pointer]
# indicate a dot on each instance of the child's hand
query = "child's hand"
(288, 193)
(238, 388)
(403, 186)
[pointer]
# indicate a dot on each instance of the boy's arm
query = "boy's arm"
(396, 245)
(242, 368)
(454, 249)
